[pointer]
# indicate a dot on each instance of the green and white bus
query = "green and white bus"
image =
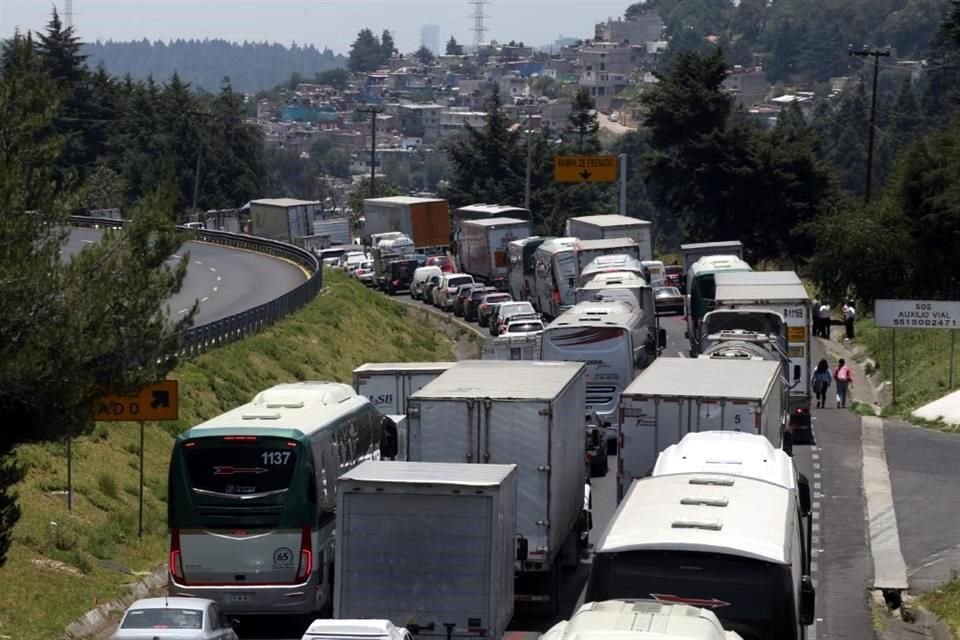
(252, 494)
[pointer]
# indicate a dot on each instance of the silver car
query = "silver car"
(179, 618)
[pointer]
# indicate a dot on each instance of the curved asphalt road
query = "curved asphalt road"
(225, 280)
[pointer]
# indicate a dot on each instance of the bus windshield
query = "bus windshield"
(750, 597)
(242, 467)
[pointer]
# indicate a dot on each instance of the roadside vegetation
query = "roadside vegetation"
(944, 602)
(923, 363)
(80, 559)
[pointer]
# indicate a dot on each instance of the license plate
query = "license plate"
(236, 598)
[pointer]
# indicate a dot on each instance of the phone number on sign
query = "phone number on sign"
(925, 322)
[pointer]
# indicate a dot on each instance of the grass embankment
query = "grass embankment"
(62, 564)
(923, 363)
(944, 602)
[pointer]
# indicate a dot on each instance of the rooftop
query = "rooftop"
(283, 202)
(497, 379)
(457, 474)
(706, 378)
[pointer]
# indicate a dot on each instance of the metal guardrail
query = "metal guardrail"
(214, 334)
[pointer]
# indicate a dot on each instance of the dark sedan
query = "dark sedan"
(488, 304)
(460, 301)
(471, 307)
(668, 301)
(428, 288)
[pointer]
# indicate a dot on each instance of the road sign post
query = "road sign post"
(585, 169)
(154, 402)
(623, 184)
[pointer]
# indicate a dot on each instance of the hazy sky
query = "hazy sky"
(330, 23)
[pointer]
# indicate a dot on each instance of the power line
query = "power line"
(479, 29)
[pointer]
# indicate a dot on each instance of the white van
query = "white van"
(449, 286)
(420, 278)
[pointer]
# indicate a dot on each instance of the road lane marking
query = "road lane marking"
(197, 262)
(889, 567)
(212, 269)
(215, 289)
(204, 299)
(182, 311)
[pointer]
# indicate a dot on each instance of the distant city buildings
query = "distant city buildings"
(430, 37)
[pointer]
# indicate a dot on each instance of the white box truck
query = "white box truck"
(388, 384)
(527, 413)
(427, 545)
(676, 396)
(338, 229)
(696, 250)
(588, 250)
(483, 248)
(614, 226)
(282, 219)
(774, 303)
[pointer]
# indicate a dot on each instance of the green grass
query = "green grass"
(945, 603)
(923, 363)
(344, 327)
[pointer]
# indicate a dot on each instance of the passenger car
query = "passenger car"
(459, 303)
(489, 304)
(498, 319)
(180, 618)
(668, 300)
(399, 275)
(522, 325)
(420, 278)
(471, 307)
(325, 629)
(364, 273)
(428, 287)
(444, 262)
(449, 286)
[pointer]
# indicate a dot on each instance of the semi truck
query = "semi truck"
(701, 290)
(676, 396)
(388, 384)
(282, 219)
(479, 411)
(483, 248)
(773, 303)
(338, 229)
(426, 221)
(430, 545)
(607, 226)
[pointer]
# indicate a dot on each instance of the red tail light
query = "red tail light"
(176, 560)
(396, 283)
(306, 556)
(556, 295)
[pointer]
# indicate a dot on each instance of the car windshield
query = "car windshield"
(456, 282)
(166, 618)
(668, 292)
(478, 294)
(518, 307)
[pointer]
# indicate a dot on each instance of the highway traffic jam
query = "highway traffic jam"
(449, 500)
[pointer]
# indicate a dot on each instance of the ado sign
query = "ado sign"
(151, 402)
(917, 314)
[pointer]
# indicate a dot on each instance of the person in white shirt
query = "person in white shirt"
(849, 315)
(824, 313)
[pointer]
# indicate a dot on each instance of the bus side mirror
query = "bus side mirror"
(786, 443)
(796, 373)
(522, 549)
(808, 600)
(389, 441)
(662, 338)
(803, 486)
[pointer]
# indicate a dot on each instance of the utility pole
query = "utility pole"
(876, 54)
(373, 110)
(526, 193)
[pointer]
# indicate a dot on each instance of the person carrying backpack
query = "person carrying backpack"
(844, 378)
(821, 382)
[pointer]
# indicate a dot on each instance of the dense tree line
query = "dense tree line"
(124, 137)
(797, 39)
(251, 66)
(74, 327)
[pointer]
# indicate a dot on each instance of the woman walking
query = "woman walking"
(844, 378)
(821, 382)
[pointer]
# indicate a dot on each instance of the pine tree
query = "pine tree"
(366, 53)
(454, 48)
(424, 56)
(584, 126)
(387, 46)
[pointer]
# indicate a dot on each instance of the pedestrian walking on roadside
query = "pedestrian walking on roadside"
(844, 379)
(816, 317)
(821, 382)
(824, 313)
(849, 315)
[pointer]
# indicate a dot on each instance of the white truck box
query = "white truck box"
(427, 544)
(677, 396)
(338, 229)
(518, 347)
(484, 244)
(388, 384)
(696, 250)
(614, 226)
(528, 413)
(588, 250)
(782, 293)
